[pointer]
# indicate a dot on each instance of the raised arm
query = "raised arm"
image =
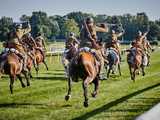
(27, 30)
(102, 28)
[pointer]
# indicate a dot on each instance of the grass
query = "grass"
(118, 99)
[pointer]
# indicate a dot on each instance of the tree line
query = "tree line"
(58, 27)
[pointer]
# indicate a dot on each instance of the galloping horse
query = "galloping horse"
(87, 68)
(67, 57)
(40, 58)
(36, 52)
(113, 61)
(135, 61)
(40, 54)
(12, 65)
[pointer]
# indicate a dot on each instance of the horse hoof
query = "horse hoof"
(143, 74)
(85, 104)
(94, 94)
(113, 72)
(67, 97)
(132, 78)
(28, 84)
(23, 86)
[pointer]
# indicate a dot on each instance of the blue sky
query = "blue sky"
(15, 8)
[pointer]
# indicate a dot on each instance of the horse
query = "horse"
(136, 60)
(86, 67)
(40, 58)
(67, 57)
(148, 49)
(113, 61)
(36, 53)
(12, 66)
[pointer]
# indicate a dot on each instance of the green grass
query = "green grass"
(118, 99)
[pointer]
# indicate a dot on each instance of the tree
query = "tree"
(154, 32)
(25, 18)
(54, 26)
(79, 17)
(70, 26)
(5, 26)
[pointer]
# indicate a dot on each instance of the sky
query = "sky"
(16, 8)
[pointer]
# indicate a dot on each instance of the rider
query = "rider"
(115, 42)
(147, 48)
(30, 45)
(89, 39)
(14, 41)
(71, 41)
(139, 44)
(40, 42)
(139, 40)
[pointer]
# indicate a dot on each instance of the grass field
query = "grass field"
(118, 99)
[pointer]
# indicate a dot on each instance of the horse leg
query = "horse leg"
(12, 78)
(85, 88)
(30, 74)
(143, 73)
(69, 89)
(44, 62)
(26, 77)
(148, 56)
(35, 66)
(0, 74)
(37, 70)
(96, 87)
(20, 79)
(109, 70)
(119, 69)
(66, 71)
(134, 74)
(131, 72)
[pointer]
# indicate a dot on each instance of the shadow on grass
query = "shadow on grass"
(113, 103)
(15, 105)
(43, 78)
(53, 73)
(50, 78)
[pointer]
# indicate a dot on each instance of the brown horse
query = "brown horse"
(36, 53)
(87, 68)
(29, 66)
(135, 61)
(12, 66)
(40, 58)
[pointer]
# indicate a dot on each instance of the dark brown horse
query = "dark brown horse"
(135, 62)
(87, 68)
(67, 57)
(12, 66)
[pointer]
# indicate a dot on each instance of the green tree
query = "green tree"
(70, 26)
(154, 32)
(5, 26)
(54, 26)
(25, 18)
